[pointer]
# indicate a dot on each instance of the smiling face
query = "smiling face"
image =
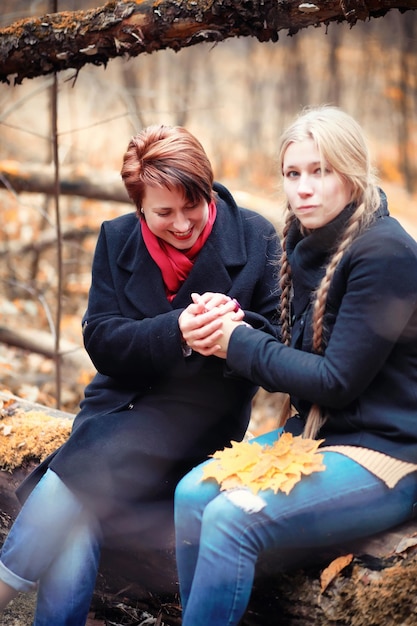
(173, 218)
(315, 192)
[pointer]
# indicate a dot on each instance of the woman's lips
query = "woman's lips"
(183, 236)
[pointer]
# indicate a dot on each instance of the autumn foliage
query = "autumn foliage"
(278, 467)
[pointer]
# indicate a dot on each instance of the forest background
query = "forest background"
(236, 97)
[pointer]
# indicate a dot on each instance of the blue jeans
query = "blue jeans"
(53, 546)
(220, 535)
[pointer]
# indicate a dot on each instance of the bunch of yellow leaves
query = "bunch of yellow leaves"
(278, 467)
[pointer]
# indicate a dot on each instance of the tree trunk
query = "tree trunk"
(70, 40)
(375, 585)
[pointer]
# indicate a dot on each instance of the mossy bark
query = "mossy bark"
(70, 40)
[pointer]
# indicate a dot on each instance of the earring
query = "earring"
(142, 211)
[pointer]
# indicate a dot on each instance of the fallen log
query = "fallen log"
(372, 582)
(72, 39)
(76, 180)
(42, 342)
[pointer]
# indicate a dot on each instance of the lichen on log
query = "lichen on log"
(28, 435)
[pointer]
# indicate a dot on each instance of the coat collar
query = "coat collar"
(225, 248)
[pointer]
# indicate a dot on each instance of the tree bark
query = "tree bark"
(70, 40)
(78, 180)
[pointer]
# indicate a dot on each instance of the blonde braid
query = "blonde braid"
(356, 223)
(285, 283)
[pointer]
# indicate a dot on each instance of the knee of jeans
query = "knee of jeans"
(220, 511)
(234, 507)
(192, 496)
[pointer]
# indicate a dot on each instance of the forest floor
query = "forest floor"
(21, 610)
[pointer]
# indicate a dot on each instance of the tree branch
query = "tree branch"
(66, 40)
(75, 181)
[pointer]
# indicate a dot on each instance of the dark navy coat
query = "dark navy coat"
(150, 413)
(367, 379)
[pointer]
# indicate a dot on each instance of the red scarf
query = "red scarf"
(175, 265)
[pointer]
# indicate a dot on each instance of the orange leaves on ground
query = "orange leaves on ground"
(278, 467)
(333, 570)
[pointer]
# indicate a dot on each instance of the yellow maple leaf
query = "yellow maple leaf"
(263, 467)
(283, 444)
(231, 482)
(313, 467)
(275, 482)
(291, 481)
(278, 467)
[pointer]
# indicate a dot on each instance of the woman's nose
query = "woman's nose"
(181, 223)
(304, 185)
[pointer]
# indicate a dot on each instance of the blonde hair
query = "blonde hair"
(341, 143)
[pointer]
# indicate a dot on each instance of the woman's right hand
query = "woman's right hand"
(201, 322)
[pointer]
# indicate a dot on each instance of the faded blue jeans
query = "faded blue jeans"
(220, 535)
(53, 546)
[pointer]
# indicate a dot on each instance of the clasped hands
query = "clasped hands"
(207, 324)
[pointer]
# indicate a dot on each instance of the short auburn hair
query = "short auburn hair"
(167, 156)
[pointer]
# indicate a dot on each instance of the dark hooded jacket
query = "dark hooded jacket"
(366, 381)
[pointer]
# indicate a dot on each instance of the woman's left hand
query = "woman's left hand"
(201, 322)
(229, 323)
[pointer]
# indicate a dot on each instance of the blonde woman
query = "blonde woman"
(348, 359)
